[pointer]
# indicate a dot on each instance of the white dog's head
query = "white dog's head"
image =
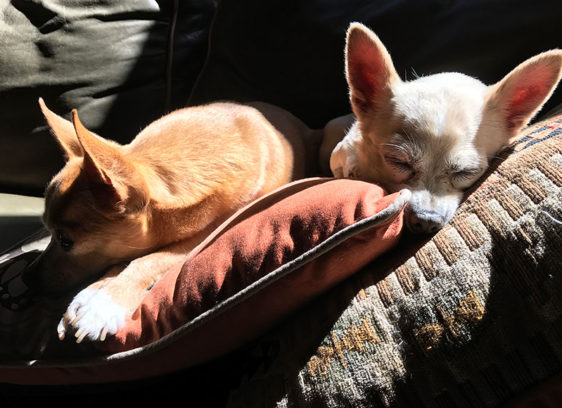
(433, 135)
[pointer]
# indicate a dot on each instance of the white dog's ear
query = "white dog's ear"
(522, 92)
(369, 70)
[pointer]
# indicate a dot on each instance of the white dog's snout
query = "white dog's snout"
(428, 213)
(428, 222)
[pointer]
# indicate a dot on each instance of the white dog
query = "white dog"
(434, 135)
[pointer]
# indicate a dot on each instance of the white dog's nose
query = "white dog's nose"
(427, 223)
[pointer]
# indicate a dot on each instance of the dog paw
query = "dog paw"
(92, 314)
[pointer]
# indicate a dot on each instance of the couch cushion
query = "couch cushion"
(263, 263)
(118, 62)
(470, 318)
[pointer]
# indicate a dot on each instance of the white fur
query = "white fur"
(97, 316)
(434, 135)
(441, 103)
(344, 161)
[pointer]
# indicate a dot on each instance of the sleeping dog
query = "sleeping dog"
(434, 135)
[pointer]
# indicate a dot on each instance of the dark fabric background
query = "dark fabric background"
(118, 64)
(110, 60)
(291, 52)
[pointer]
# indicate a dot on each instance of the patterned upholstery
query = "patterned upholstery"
(470, 318)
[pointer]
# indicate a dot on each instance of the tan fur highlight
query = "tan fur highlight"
(63, 131)
(134, 210)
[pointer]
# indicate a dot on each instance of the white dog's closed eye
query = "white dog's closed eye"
(435, 134)
(401, 166)
(402, 157)
(463, 178)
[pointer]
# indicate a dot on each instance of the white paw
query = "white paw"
(344, 161)
(92, 314)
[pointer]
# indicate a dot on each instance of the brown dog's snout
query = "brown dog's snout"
(55, 272)
(31, 276)
(39, 276)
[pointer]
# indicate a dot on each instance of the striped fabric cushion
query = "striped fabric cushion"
(470, 318)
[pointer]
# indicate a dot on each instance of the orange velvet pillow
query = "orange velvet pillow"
(261, 264)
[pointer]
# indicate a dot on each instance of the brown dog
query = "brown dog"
(132, 211)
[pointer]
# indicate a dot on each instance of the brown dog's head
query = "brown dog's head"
(94, 209)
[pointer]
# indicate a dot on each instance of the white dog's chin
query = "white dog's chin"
(427, 213)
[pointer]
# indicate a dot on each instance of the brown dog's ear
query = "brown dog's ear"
(97, 152)
(522, 92)
(63, 131)
(369, 70)
(104, 167)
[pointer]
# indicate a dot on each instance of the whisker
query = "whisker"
(496, 157)
(136, 247)
(399, 147)
(410, 138)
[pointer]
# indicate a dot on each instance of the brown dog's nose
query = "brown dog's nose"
(427, 223)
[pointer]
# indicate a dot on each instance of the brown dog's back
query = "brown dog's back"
(176, 181)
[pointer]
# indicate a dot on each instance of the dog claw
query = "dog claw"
(92, 315)
(103, 334)
(78, 332)
(61, 329)
(76, 319)
(80, 335)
